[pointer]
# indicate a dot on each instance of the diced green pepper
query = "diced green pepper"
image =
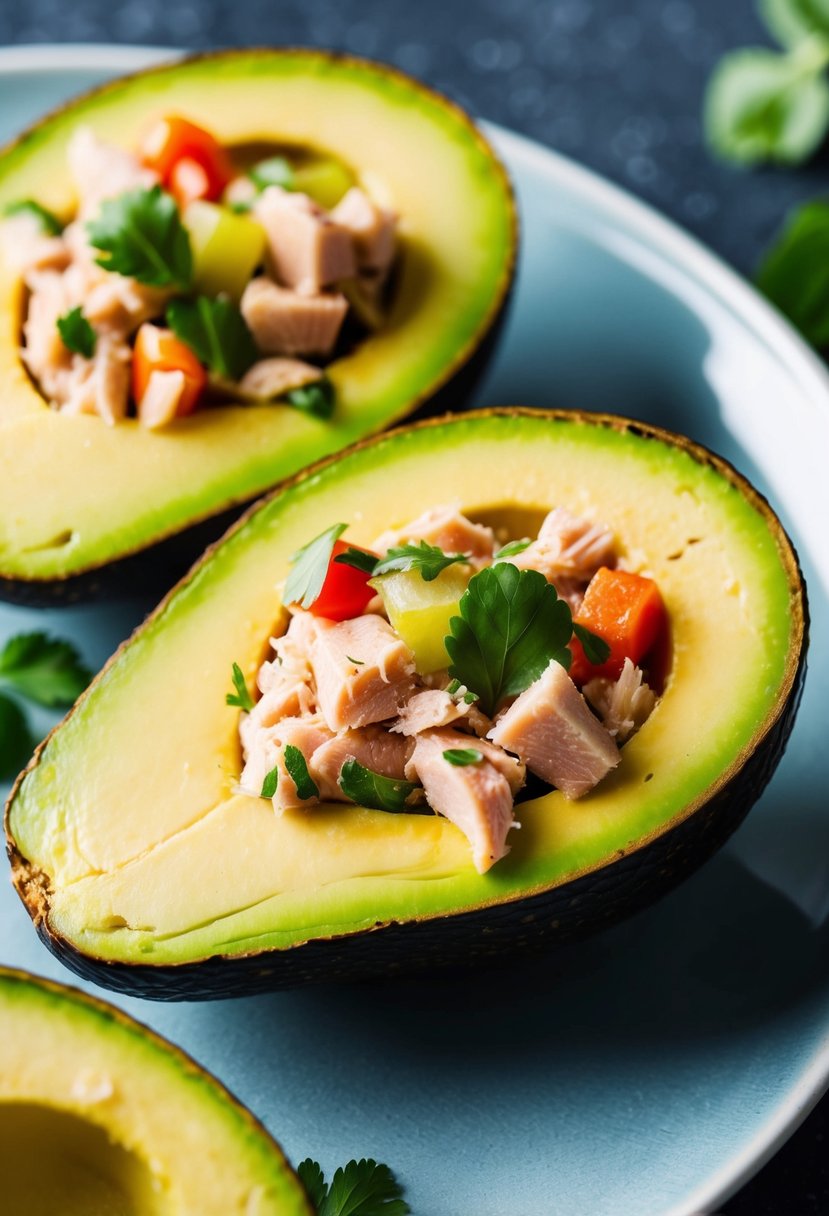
(421, 611)
(326, 181)
(226, 247)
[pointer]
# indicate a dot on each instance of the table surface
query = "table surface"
(615, 84)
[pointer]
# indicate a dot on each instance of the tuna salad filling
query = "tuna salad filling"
(193, 272)
(446, 669)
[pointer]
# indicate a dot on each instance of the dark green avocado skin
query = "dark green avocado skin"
(466, 940)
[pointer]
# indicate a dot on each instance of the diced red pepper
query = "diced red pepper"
(159, 350)
(345, 592)
(627, 611)
(189, 160)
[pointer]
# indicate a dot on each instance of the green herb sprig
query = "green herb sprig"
(360, 1188)
(310, 566)
(367, 788)
(428, 560)
(216, 332)
(76, 333)
(140, 234)
(794, 272)
(241, 698)
(297, 768)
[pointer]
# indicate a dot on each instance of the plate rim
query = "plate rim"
(700, 264)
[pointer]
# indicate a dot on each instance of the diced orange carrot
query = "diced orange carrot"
(160, 350)
(624, 609)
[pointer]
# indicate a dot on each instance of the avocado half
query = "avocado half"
(99, 1115)
(143, 869)
(118, 492)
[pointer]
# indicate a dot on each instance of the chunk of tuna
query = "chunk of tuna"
(270, 378)
(27, 248)
(292, 650)
(159, 405)
(624, 704)
(551, 728)
(371, 746)
(477, 798)
(371, 227)
(429, 709)
(446, 528)
(362, 670)
(110, 301)
(101, 385)
(265, 750)
(307, 250)
(43, 352)
(100, 170)
(567, 548)
(283, 322)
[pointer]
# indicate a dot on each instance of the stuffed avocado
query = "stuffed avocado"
(238, 263)
(100, 1115)
(145, 866)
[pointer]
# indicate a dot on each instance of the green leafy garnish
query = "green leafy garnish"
(216, 332)
(596, 649)
(795, 272)
(511, 625)
(16, 741)
(793, 21)
(461, 756)
(140, 235)
(512, 549)
(428, 559)
(359, 559)
(297, 768)
(373, 790)
(361, 1188)
(241, 697)
(316, 399)
(270, 783)
(48, 221)
(275, 171)
(453, 686)
(310, 566)
(356, 662)
(43, 669)
(76, 333)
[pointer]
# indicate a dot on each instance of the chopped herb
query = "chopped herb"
(313, 1179)
(512, 549)
(795, 272)
(310, 566)
(360, 1188)
(216, 332)
(48, 221)
(242, 697)
(298, 772)
(453, 686)
(316, 399)
(16, 741)
(373, 790)
(356, 662)
(275, 171)
(461, 756)
(511, 625)
(270, 783)
(596, 649)
(43, 669)
(76, 333)
(359, 559)
(428, 559)
(140, 235)
(470, 698)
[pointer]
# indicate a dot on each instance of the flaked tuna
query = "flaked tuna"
(550, 726)
(159, 405)
(100, 170)
(371, 227)
(267, 752)
(270, 378)
(28, 249)
(101, 385)
(623, 704)
(362, 670)
(43, 351)
(283, 322)
(370, 746)
(428, 709)
(568, 548)
(446, 528)
(110, 301)
(307, 250)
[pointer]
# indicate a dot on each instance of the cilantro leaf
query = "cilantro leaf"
(310, 566)
(364, 1188)
(270, 783)
(428, 559)
(512, 549)
(242, 697)
(795, 272)
(216, 332)
(140, 235)
(275, 171)
(16, 742)
(462, 756)
(297, 768)
(49, 222)
(76, 333)
(793, 21)
(596, 649)
(313, 1179)
(43, 669)
(316, 399)
(360, 559)
(511, 625)
(367, 788)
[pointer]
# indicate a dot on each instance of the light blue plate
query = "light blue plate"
(653, 1069)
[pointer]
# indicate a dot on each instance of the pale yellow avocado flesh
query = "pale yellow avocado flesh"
(131, 810)
(98, 1117)
(116, 490)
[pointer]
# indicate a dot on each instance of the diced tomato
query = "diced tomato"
(173, 141)
(628, 612)
(159, 350)
(345, 592)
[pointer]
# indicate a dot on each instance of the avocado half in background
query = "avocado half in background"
(98, 1114)
(118, 492)
(143, 869)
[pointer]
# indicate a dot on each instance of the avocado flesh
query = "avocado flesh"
(410, 148)
(130, 812)
(99, 1116)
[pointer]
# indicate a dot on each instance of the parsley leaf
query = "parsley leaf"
(428, 559)
(461, 756)
(216, 332)
(76, 333)
(795, 272)
(364, 1188)
(316, 399)
(140, 235)
(43, 669)
(360, 559)
(793, 21)
(596, 649)
(242, 697)
(275, 171)
(270, 783)
(297, 768)
(367, 788)
(49, 222)
(511, 625)
(16, 742)
(512, 549)
(310, 566)
(313, 1179)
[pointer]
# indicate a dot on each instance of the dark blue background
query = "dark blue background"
(616, 84)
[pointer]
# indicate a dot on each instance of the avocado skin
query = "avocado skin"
(467, 940)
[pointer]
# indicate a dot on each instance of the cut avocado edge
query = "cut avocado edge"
(738, 781)
(64, 556)
(129, 1119)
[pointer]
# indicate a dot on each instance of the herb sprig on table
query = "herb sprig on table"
(360, 1188)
